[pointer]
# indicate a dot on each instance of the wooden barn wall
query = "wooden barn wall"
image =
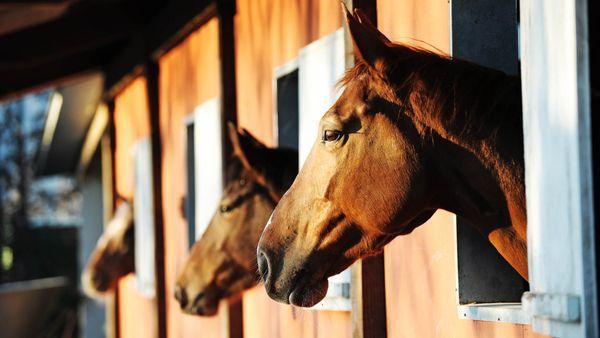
(132, 123)
(268, 34)
(189, 76)
(421, 267)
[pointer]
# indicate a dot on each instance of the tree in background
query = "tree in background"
(21, 126)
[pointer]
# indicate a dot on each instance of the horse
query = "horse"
(222, 262)
(412, 132)
(113, 256)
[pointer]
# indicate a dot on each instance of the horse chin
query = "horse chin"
(204, 311)
(310, 295)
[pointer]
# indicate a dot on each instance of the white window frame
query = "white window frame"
(487, 287)
(208, 147)
(143, 213)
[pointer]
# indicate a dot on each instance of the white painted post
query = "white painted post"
(556, 122)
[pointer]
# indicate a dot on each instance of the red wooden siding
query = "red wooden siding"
(270, 33)
(132, 123)
(189, 76)
(420, 268)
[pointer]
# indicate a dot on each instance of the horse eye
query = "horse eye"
(242, 182)
(225, 209)
(331, 135)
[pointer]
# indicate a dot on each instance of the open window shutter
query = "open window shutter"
(321, 65)
(143, 212)
(556, 114)
(208, 164)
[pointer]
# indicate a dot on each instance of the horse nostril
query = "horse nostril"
(181, 296)
(263, 265)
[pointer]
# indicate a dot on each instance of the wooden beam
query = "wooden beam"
(174, 23)
(226, 11)
(156, 38)
(21, 3)
(125, 66)
(369, 318)
(232, 324)
(15, 81)
(109, 181)
(80, 31)
(152, 86)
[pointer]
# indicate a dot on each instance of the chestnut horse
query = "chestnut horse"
(222, 263)
(412, 132)
(113, 256)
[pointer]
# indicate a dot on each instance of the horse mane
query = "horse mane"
(456, 98)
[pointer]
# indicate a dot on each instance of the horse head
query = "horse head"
(222, 262)
(113, 256)
(389, 153)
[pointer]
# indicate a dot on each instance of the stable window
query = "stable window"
(204, 167)
(554, 59)
(313, 86)
(485, 32)
(285, 117)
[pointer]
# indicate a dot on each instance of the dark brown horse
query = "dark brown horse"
(412, 132)
(223, 262)
(113, 256)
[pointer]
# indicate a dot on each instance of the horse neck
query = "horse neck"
(477, 111)
(478, 142)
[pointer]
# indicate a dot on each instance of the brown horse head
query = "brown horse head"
(113, 256)
(412, 132)
(222, 262)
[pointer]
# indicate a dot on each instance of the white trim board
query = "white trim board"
(558, 168)
(143, 211)
(208, 162)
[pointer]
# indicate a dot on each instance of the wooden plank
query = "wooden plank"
(51, 41)
(226, 9)
(233, 324)
(80, 41)
(152, 83)
(368, 303)
(558, 172)
(109, 182)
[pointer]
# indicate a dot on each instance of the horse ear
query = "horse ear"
(246, 147)
(370, 45)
